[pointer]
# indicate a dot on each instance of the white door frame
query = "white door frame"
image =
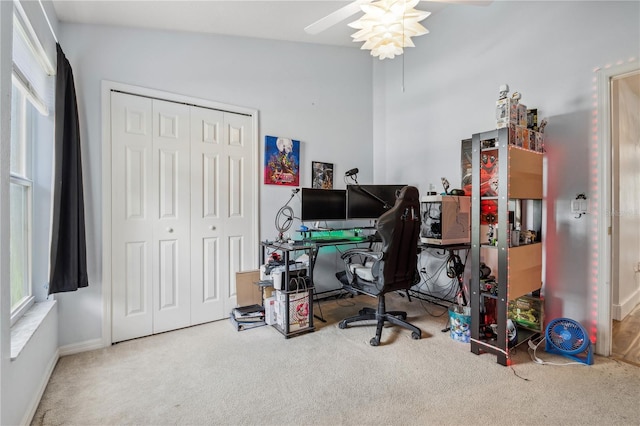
(107, 87)
(604, 291)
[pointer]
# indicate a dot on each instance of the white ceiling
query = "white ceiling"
(277, 20)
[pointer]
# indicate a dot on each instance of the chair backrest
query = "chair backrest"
(399, 229)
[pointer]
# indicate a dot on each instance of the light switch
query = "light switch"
(580, 206)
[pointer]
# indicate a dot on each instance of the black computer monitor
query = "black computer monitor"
(323, 204)
(370, 201)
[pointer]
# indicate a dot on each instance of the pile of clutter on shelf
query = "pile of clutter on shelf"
(524, 130)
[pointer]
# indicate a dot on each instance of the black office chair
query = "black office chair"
(392, 268)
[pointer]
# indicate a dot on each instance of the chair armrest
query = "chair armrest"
(365, 252)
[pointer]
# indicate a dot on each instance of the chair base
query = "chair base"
(381, 316)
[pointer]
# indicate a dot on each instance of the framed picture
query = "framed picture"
(281, 161)
(321, 175)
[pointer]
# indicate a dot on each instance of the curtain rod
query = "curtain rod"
(48, 22)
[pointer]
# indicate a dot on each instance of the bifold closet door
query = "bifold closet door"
(171, 221)
(221, 209)
(183, 184)
(150, 216)
(133, 202)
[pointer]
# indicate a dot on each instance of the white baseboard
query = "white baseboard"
(620, 311)
(76, 348)
(28, 417)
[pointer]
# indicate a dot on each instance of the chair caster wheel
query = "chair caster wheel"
(415, 336)
(374, 341)
(342, 324)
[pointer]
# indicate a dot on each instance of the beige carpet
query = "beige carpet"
(214, 375)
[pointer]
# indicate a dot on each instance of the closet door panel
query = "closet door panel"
(239, 211)
(133, 197)
(171, 221)
(208, 196)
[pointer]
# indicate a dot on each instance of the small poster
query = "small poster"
(321, 175)
(281, 161)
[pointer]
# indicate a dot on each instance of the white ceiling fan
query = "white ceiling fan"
(354, 7)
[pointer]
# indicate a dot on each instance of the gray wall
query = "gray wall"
(316, 94)
(547, 51)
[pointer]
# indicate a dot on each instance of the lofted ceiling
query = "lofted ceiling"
(276, 20)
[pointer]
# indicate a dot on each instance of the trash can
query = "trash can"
(460, 323)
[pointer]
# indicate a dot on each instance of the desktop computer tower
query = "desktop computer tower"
(446, 219)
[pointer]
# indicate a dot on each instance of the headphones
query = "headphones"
(454, 266)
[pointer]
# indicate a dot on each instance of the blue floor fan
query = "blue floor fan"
(568, 338)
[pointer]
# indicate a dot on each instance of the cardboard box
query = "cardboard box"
(247, 291)
(270, 310)
(532, 119)
(539, 142)
(522, 115)
(519, 136)
(506, 112)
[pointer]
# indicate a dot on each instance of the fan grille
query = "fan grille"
(567, 335)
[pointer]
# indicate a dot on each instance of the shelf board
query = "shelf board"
(525, 174)
(525, 269)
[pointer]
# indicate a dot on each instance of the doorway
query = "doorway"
(625, 220)
(618, 290)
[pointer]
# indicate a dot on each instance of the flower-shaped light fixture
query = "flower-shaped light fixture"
(388, 25)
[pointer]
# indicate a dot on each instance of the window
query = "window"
(20, 198)
(30, 159)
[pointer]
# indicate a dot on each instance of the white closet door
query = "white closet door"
(240, 235)
(183, 211)
(221, 223)
(133, 207)
(171, 221)
(207, 199)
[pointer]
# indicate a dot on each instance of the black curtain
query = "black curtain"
(68, 242)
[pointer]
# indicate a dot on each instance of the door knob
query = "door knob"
(213, 228)
(169, 229)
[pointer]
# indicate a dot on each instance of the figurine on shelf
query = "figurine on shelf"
(504, 91)
(542, 125)
(515, 97)
(491, 235)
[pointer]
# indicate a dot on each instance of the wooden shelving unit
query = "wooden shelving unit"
(517, 267)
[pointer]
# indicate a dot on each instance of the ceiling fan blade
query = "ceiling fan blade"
(335, 17)
(469, 2)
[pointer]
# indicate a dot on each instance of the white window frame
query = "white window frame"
(25, 181)
(31, 69)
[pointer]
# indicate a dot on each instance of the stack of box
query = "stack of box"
(521, 122)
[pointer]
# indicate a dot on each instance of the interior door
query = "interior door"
(625, 133)
(132, 207)
(221, 221)
(241, 242)
(150, 216)
(171, 218)
(207, 293)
